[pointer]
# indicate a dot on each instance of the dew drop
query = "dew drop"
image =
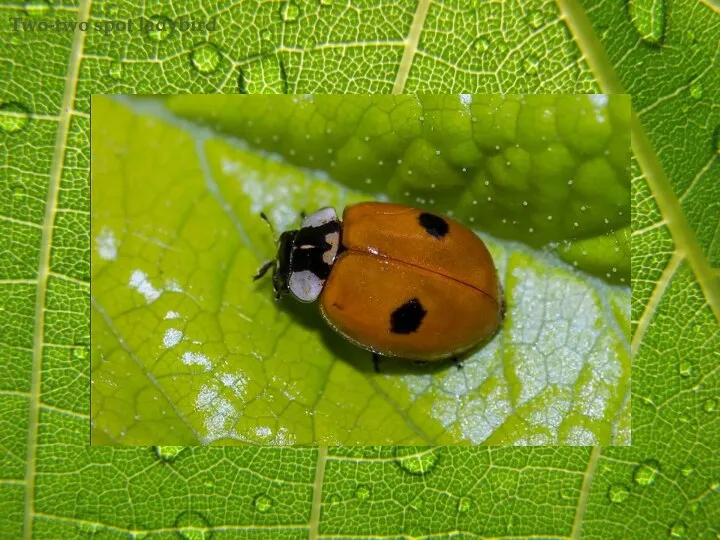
(531, 64)
(417, 460)
(290, 11)
(18, 192)
(192, 525)
(687, 470)
(646, 473)
(678, 530)
(265, 34)
(115, 70)
(648, 18)
(168, 453)
(334, 499)
(482, 45)
(464, 504)
(534, 19)
(263, 503)
(264, 76)
(710, 405)
(13, 117)
(158, 27)
(205, 58)
(37, 9)
(362, 493)
(80, 353)
(618, 493)
(685, 368)
(696, 89)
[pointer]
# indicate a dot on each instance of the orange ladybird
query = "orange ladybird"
(395, 280)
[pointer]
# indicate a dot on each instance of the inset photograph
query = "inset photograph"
(360, 270)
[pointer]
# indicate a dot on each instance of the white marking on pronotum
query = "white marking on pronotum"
(140, 282)
(334, 240)
(305, 285)
(321, 217)
(106, 247)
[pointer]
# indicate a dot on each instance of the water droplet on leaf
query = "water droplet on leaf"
(80, 353)
(13, 117)
(158, 27)
(531, 64)
(168, 453)
(646, 473)
(678, 530)
(18, 192)
(417, 460)
(205, 58)
(263, 503)
(534, 19)
(482, 45)
(618, 493)
(115, 70)
(464, 504)
(696, 89)
(263, 76)
(362, 493)
(648, 18)
(192, 525)
(39, 8)
(289, 12)
(685, 368)
(710, 405)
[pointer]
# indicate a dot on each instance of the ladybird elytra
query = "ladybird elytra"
(395, 280)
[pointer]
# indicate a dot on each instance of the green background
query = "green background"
(665, 54)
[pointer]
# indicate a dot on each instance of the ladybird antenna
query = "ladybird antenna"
(265, 218)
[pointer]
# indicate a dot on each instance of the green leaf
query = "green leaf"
(195, 344)
(664, 54)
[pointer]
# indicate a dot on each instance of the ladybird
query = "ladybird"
(395, 280)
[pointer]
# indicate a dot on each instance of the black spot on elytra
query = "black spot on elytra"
(434, 225)
(407, 318)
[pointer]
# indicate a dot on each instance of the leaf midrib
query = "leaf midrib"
(683, 236)
(66, 112)
(411, 43)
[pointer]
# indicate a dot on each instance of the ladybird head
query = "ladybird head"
(305, 256)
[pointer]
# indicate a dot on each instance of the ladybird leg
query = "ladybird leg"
(263, 270)
(376, 362)
(458, 363)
